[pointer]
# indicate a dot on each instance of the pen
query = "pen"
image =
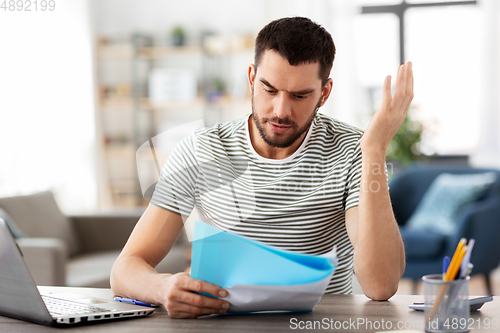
(450, 275)
(453, 293)
(446, 264)
(468, 270)
(466, 259)
(133, 301)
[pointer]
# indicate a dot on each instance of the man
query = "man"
(339, 194)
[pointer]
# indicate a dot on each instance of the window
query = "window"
(443, 43)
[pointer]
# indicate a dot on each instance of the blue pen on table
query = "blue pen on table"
(133, 301)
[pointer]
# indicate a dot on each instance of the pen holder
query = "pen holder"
(446, 304)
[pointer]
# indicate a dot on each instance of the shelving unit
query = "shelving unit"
(127, 117)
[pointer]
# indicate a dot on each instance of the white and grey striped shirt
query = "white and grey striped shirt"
(297, 203)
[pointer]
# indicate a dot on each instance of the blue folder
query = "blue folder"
(246, 267)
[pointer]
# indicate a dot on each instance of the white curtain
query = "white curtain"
(488, 151)
(47, 131)
(347, 102)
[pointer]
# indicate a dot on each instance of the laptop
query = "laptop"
(21, 299)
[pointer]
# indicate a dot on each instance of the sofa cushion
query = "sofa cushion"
(14, 229)
(91, 270)
(422, 244)
(46, 259)
(446, 196)
(94, 269)
(38, 215)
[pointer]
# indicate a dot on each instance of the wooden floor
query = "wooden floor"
(477, 286)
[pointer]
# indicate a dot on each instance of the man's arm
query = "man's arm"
(379, 258)
(133, 275)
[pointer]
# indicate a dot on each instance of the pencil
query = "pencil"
(454, 270)
(450, 275)
(455, 260)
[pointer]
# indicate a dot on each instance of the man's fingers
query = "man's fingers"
(403, 94)
(183, 281)
(203, 301)
(181, 309)
(405, 80)
(205, 287)
(409, 80)
(408, 92)
(386, 95)
(188, 290)
(400, 82)
(183, 298)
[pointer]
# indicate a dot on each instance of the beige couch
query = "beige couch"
(76, 250)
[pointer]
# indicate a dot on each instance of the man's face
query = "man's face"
(285, 99)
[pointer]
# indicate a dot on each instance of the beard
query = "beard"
(282, 140)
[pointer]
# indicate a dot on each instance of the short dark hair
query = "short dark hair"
(299, 40)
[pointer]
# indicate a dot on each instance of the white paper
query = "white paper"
(300, 297)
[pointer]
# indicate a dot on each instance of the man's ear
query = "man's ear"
(251, 76)
(327, 89)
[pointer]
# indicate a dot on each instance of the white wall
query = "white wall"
(47, 136)
(120, 17)
(456, 129)
(47, 104)
(488, 151)
(117, 19)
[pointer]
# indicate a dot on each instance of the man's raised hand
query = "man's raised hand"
(392, 112)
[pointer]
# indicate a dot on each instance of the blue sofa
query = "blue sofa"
(479, 220)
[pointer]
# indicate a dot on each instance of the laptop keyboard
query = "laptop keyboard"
(58, 307)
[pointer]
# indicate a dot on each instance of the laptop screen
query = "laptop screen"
(18, 293)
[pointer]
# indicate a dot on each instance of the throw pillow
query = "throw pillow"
(445, 197)
(14, 229)
(38, 215)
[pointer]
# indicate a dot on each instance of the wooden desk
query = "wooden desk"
(334, 313)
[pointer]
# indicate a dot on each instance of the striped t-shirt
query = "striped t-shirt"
(297, 203)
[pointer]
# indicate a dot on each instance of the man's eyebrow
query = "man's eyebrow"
(299, 92)
(264, 81)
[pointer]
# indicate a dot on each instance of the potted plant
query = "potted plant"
(178, 36)
(404, 147)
